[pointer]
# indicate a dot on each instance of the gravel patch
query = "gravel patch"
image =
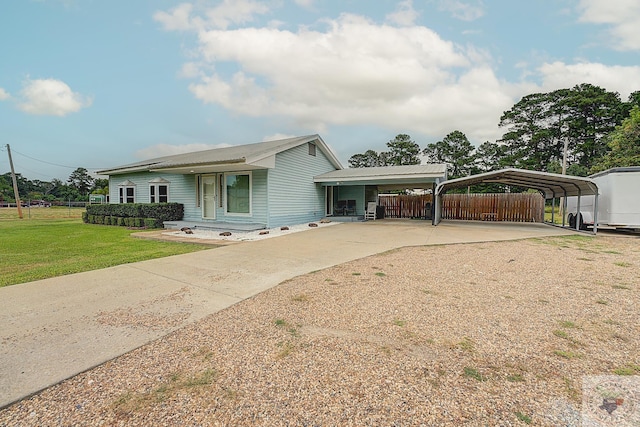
(475, 334)
(243, 236)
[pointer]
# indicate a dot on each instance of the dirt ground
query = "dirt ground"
(506, 333)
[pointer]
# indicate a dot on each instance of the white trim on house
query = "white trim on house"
(123, 192)
(155, 190)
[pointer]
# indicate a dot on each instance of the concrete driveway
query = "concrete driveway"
(56, 328)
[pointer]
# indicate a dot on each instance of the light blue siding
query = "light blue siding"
(284, 195)
(293, 196)
(351, 192)
(181, 188)
(258, 200)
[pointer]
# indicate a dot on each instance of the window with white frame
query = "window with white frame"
(127, 192)
(238, 193)
(159, 190)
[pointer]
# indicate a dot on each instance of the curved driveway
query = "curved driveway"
(55, 328)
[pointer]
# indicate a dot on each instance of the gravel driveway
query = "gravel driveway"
(472, 334)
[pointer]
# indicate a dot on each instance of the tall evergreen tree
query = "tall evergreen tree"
(402, 151)
(624, 144)
(456, 151)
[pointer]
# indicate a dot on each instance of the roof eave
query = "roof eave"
(406, 177)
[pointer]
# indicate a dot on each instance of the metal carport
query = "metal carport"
(551, 185)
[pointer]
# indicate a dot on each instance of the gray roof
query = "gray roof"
(616, 170)
(397, 174)
(238, 155)
(552, 184)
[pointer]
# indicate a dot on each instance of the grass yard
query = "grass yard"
(55, 242)
(57, 212)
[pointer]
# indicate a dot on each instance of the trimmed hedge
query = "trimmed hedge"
(150, 215)
(162, 211)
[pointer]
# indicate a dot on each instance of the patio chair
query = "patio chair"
(340, 208)
(370, 213)
(351, 207)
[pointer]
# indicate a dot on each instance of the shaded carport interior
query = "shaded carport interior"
(550, 185)
(388, 178)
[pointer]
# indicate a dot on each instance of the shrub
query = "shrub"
(151, 223)
(161, 211)
(134, 214)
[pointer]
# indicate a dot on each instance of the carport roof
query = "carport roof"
(551, 184)
(403, 175)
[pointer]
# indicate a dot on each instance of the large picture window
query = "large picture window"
(238, 193)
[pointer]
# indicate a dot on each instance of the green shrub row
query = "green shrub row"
(121, 221)
(161, 211)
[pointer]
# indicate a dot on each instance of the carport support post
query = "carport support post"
(433, 204)
(578, 210)
(595, 213)
(437, 204)
(553, 209)
(564, 209)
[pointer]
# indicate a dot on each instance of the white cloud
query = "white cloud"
(190, 70)
(178, 19)
(462, 10)
(277, 136)
(305, 3)
(358, 72)
(51, 97)
(405, 15)
(4, 94)
(355, 72)
(622, 16)
(621, 79)
(161, 150)
(225, 14)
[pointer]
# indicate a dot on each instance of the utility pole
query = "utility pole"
(15, 183)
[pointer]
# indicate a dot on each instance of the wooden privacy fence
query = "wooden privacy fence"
(401, 206)
(517, 207)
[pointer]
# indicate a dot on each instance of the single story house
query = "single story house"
(261, 185)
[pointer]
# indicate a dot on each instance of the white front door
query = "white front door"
(209, 196)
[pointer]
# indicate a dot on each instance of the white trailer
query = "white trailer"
(618, 204)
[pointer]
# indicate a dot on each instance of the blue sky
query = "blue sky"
(97, 83)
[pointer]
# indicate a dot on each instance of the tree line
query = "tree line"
(598, 129)
(77, 188)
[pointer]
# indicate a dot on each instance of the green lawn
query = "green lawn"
(32, 249)
(557, 217)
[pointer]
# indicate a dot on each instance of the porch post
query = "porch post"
(433, 203)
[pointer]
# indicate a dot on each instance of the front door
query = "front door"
(209, 196)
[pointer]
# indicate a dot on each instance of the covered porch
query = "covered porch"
(349, 192)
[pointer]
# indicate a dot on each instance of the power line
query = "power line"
(48, 163)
